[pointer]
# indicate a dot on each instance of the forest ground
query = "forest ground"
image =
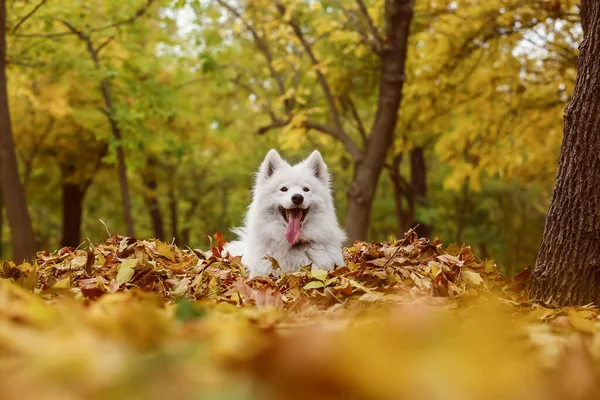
(407, 319)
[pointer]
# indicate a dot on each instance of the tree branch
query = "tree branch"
(263, 48)
(103, 44)
(274, 125)
(28, 15)
(359, 124)
(375, 38)
(339, 132)
(140, 12)
(350, 146)
(352, 149)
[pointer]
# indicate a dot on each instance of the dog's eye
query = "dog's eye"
(306, 189)
(283, 189)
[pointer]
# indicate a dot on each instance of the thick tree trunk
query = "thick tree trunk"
(151, 197)
(586, 6)
(22, 238)
(72, 207)
(567, 270)
(1, 225)
(398, 15)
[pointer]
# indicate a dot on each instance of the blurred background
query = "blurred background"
(191, 94)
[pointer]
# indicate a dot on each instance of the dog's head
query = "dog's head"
(296, 194)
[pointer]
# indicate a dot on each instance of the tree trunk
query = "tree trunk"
(418, 182)
(402, 191)
(461, 211)
(151, 198)
(22, 238)
(109, 111)
(1, 225)
(586, 15)
(123, 181)
(72, 207)
(174, 213)
(398, 14)
(568, 265)
(185, 232)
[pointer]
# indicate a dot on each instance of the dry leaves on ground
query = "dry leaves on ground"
(405, 319)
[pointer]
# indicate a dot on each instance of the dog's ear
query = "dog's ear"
(317, 166)
(272, 162)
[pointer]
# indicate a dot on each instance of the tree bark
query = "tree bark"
(461, 211)
(568, 265)
(585, 7)
(367, 169)
(186, 231)
(174, 213)
(19, 220)
(402, 191)
(1, 225)
(151, 183)
(418, 182)
(72, 207)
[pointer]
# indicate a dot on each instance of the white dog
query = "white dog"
(291, 218)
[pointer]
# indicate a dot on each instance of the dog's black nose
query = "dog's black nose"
(297, 199)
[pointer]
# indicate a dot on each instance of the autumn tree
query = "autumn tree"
(388, 44)
(13, 194)
(567, 267)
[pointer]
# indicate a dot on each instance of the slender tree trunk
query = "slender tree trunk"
(402, 192)
(185, 232)
(72, 207)
(109, 111)
(19, 220)
(151, 197)
(398, 15)
(123, 181)
(461, 211)
(174, 213)
(418, 182)
(567, 270)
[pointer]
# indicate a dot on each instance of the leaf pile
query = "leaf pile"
(373, 272)
(407, 319)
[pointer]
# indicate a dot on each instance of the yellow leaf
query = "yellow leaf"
(580, 323)
(165, 250)
(124, 275)
(64, 283)
(472, 277)
(319, 274)
(313, 285)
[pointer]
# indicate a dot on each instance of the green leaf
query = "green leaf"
(126, 270)
(319, 274)
(330, 281)
(124, 275)
(186, 311)
(314, 285)
(129, 263)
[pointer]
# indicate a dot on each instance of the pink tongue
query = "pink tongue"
(292, 232)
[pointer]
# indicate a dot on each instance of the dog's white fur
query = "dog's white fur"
(321, 239)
